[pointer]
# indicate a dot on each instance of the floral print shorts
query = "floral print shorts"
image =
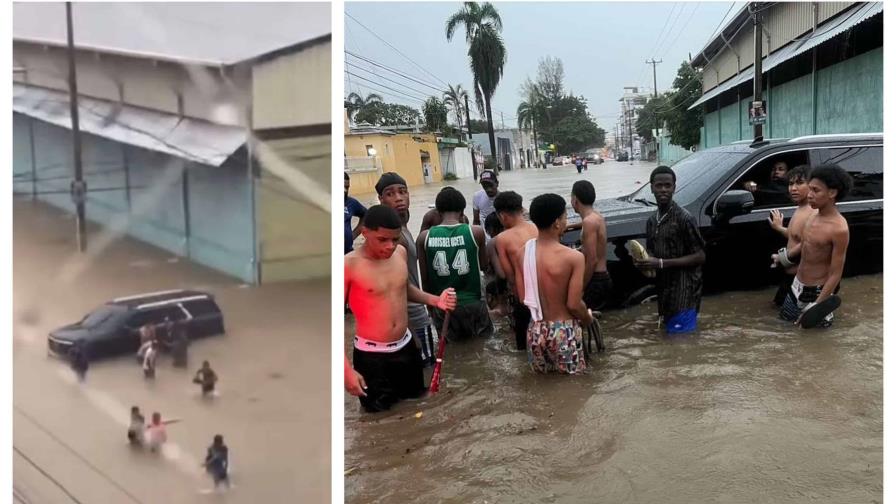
(555, 347)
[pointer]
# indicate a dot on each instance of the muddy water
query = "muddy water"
(750, 409)
(274, 404)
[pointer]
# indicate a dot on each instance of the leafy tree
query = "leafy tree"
(455, 98)
(684, 125)
(478, 126)
(354, 103)
(387, 114)
(527, 117)
(486, 51)
(652, 116)
(549, 80)
(435, 114)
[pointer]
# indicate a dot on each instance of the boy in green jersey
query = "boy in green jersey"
(452, 255)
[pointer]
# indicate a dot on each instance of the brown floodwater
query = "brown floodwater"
(749, 409)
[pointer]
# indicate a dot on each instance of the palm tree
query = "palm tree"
(455, 98)
(526, 115)
(355, 102)
(486, 51)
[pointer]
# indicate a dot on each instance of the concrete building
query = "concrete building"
(631, 103)
(516, 150)
(371, 151)
(205, 135)
(822, 72)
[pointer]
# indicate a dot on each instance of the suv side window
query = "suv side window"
(157, 316)
(201, 307)
(764, 179)
(864, 164)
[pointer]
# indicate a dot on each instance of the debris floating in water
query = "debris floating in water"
(419, 414)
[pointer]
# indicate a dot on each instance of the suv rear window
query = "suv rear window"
(202, 307)
(864, 164)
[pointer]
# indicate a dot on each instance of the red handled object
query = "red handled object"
(437, 372)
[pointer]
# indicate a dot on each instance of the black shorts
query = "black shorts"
(783, 289)
(521, 318)
(597, 292)
(390, 376)
(467, 321)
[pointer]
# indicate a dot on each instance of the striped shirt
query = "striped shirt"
(672, 235)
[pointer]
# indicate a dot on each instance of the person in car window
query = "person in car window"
(773, 192)
(676, 253)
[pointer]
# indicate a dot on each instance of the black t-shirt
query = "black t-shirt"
(670, 236)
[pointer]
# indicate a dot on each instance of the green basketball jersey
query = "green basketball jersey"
(452, 260)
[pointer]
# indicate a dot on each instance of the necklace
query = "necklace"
(659, 220)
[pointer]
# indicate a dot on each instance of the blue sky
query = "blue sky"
(603, 46)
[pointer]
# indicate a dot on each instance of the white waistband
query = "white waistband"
(366, 345)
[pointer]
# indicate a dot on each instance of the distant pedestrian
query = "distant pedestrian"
(207, 378)
(135, 428)
(156, 433)
(79, 360)
(217, 461)
(578, 162)
(353, 208)
(149, 360)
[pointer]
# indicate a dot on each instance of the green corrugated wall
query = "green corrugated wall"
(850, 100)
(851, 95)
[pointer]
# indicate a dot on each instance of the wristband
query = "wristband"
(783, 259)
(661, 263)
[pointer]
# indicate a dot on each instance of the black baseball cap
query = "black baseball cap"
(488, 176)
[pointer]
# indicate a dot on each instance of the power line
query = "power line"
(47, 475)
(395, 49)
(383, 86)
(671, 28)
(683, 27)
(390, 69)
(414, 101)
(386, 78)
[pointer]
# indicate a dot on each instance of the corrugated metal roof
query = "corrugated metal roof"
(220, 33)
(833, 27)
(190, 139)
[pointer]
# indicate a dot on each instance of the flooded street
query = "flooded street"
(749, 409)
(273, 364)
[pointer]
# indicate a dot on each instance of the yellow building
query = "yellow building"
(370, 152)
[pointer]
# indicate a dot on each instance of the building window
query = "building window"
(371, 152)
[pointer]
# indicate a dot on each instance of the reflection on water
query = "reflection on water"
(749, 409)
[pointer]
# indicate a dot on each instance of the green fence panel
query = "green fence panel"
(850, 95)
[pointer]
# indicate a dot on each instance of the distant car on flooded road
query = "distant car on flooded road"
(113, 328)
(739, 240)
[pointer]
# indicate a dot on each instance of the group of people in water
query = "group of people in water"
(457, 274)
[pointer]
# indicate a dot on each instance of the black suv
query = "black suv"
(113, 328)
(739, 241)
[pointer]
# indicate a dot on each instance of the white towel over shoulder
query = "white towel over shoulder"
(530, 281)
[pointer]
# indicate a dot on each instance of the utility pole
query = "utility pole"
(502, 120)
(470, 133)
(656, 123)
(78, 187)
(631, 133)
(757, 67)
(654, 63)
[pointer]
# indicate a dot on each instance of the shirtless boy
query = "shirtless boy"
(598, 285)
(509, 247)
(378, 291)
(393, 192)
(551, 278)
(798, 179)
(822, 250)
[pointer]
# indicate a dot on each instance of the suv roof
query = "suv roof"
(748, 146)
(160, 298)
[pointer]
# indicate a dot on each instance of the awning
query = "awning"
(830, 29)
(190, 139)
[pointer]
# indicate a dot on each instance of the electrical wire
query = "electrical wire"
(47, 475)
(683, 27)
(396, 72)
(395, 49)
(388, 79)
(384, 86)
(76, 454)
